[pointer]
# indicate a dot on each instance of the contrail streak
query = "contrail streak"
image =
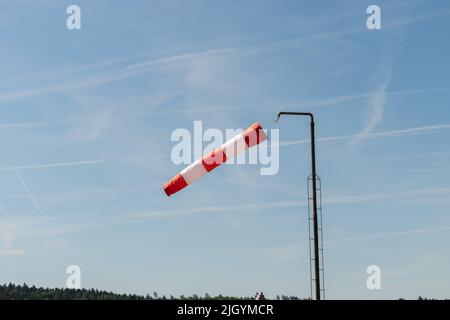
(30, 195)
(381, 134)
(390, 235)
(27, 190)
(12, 252)
(55, 165)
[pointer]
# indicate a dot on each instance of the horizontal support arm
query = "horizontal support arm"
(308, 114)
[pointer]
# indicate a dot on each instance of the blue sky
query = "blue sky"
(86, 118)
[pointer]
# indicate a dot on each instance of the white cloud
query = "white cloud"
(383, 78)
(92, 128)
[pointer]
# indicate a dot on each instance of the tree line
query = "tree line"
(25, 292)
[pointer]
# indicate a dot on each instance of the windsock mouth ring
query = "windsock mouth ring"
(254, 135)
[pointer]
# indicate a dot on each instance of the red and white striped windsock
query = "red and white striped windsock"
(241, 142)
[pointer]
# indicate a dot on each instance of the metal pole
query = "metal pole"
(314, 187)
(315, 217)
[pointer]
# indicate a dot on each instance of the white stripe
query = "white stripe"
(194, 171)
(234, 146)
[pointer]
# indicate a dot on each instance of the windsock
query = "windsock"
(236, 145)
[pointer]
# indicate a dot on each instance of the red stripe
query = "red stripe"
(214, 159)
(254, 135)
(176, 184)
